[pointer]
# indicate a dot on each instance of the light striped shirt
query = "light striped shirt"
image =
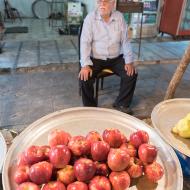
(102, 40)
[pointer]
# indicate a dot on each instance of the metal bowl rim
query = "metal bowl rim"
(57, 113)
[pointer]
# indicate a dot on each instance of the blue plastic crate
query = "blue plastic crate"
(185, 163)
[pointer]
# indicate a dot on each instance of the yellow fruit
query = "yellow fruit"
(175, 130)
(182, 128)
(188, 116)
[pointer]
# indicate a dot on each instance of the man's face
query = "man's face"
(105, 7)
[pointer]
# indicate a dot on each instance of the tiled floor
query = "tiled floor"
(42, 45)
(26, 97)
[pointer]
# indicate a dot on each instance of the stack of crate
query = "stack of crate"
(74, 17)
(58, 11)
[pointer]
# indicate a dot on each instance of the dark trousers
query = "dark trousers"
(127, 84)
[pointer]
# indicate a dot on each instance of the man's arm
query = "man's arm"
(126, 46)
(127, 50)
(85, 49)
(86, 42)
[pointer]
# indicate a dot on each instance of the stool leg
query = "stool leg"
(139, 51)
(102, 83)
(97, 88)
(80, 93)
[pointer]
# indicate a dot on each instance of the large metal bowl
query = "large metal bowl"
(164, 117)
(3, 150)
(82, 120)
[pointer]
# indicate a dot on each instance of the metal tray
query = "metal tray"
(3, 150)
(82, 120)
(165, 115)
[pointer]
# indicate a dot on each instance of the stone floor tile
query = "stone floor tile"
(42, 93)
(40, 101)
(38, 111)
(107, 99)
(182, 93)
(37, 114)
(14, 105)
(18, 82)
(65, 101)
(14, 118)
(41, 80)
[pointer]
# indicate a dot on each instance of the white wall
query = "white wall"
(25, 6)
(1, 5)
(90, 4)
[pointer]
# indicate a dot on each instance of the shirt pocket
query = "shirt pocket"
(116, 32)
(99, 32)
(116, 36)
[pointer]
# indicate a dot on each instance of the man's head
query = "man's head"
(105, 7)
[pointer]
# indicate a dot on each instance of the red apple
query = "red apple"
(21, 160)
(102, 169)
(131, 150)
(79, 146)
(66, 175)
(139, 138)
(22, 174)
(40, 172)
(154, 172)
(93, 136)
(118, 159)
(124, 138)
(34, 154)
(99, 183)
(135, 140)
(45, 149)
(77, 185)
(120, 180)
(147, 153)
(113, 137)
(59, 156)
(135, 168)
(28, 186)
(84, 169)
(144, 136)
(54, 185)
(99, 150)
(58, 137)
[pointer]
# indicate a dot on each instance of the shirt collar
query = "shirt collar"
(98, 16)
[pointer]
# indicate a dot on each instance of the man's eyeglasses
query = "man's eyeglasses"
(104, 1)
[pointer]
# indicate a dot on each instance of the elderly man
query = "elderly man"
(104, 44)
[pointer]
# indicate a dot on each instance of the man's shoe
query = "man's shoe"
(123, 109)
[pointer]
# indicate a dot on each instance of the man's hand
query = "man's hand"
(130, 69)
(85, 72)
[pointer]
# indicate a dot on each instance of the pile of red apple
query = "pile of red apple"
(95, 162)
